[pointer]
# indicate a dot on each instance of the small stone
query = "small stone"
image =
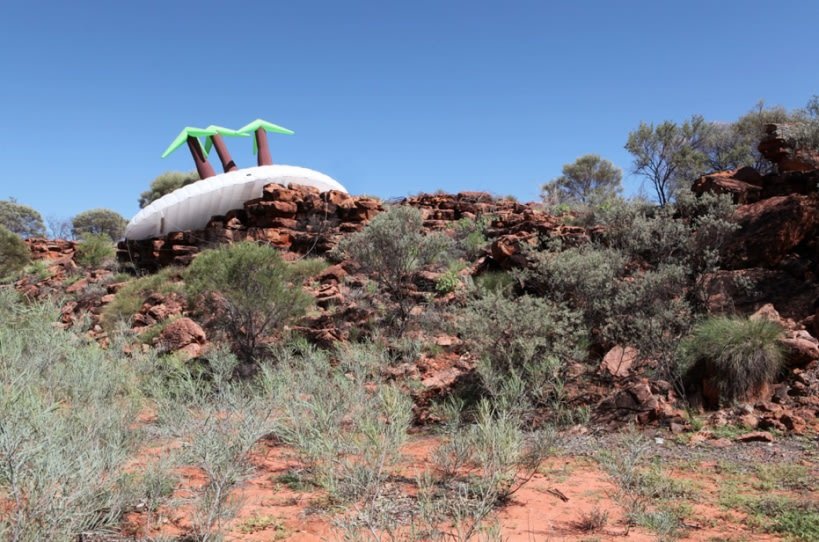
(756, 436)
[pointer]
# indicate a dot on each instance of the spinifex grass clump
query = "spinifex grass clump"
(66, 412)
(738, 356)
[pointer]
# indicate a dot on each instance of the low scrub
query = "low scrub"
(737, 356)
(14, 254)
(132, 295)
(523, 344)
(95, 250)
(66, 412)
(391, 248)
(252, 290)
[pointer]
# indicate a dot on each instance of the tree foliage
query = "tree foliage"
(669, 155)
(14, 254)
(21, 219)
(99, 222)
(252, 288)
(588, 180)
(165, 184)
(733, 145)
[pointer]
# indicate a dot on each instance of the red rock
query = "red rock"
(768, 312)
(727, 182)
(334, 273)
(183, 336)
(756, 436)
(793, 423)
(618, 361)
(772, 228)
(749, 420)
(776, 146)
(799, 352)
(77, 286)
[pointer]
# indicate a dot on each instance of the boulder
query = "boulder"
(183, 336)
(772, 228)
(618, 361)
(744, 185)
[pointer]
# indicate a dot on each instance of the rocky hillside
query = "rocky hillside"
(771, 270)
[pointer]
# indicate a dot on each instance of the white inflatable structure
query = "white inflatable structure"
(192, 206)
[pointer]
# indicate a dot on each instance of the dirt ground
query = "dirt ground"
(710, 482)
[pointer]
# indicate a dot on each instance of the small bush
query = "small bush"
(470, 236)
(99, 222)
(253, 289)
(522, 342)
(14, 254)
(392, 247)
(495, 281)
(593, 521)
(740, 356)
(94, 250)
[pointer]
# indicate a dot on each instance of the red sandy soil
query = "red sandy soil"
(548, 507)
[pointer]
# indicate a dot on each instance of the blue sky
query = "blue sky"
(390, 98)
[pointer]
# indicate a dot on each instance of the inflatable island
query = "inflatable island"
(192, 206)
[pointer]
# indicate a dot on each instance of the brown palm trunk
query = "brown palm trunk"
(204, 169)
(264, 158)
(224, 156)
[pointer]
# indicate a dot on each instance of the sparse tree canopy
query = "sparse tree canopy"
(165, 184)
(669, 155)
(732, 145)
(589, 179)
(97, 222)
(21, 219)
(14, 254)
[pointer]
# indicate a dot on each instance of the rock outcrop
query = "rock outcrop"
(302, 220)
(778, 147)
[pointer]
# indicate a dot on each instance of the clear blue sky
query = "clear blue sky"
(390, 98)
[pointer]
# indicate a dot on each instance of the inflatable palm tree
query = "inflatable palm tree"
(191, 136)
(260, 128)
(216, 140)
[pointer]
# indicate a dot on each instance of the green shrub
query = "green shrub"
(21, 219)
(37, 269)
(522, 343)
(392, 247)
(95, 250)
(738, 355)
(470, 236)
(165, 184)
(218, 419)
(131, 296)
(252, 289)
(495, 281)
(99, 222)
(14, 254)
(645, 309)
